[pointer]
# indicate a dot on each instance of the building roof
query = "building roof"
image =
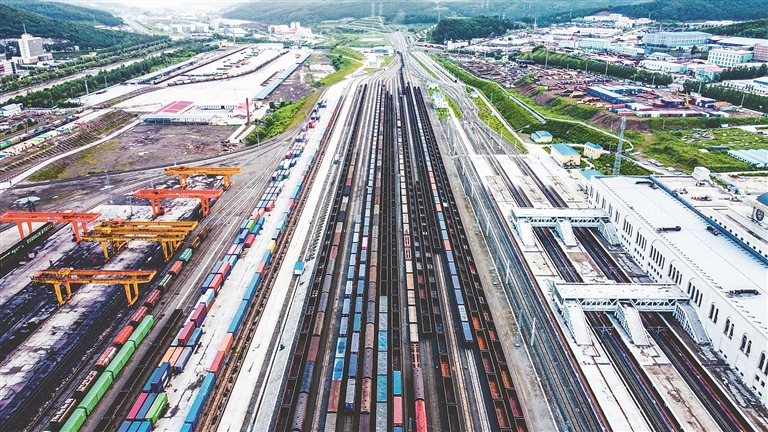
(593, 145)
(11, 107)
(565, 150)
(588, 174)
(763, 199)
(542, 134)
(718, 259)
(742, 41)
(753, 156)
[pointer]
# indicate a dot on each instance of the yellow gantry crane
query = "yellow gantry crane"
(68, 276)
(184, 172)
(115, 234)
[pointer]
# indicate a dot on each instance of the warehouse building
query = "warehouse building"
(541, 137)
(755, 157)
(676, 39)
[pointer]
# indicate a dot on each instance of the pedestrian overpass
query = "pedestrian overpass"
(563, 220)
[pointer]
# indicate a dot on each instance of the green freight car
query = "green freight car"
(121, 358)
(186, 255)
(141, 330)
(165, 282)
(95, 394)
(75, 421)
(157, 408)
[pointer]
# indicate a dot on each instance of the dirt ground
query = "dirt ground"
(146, 146)
(297, 85)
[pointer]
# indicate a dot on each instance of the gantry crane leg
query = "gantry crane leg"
(131, 297)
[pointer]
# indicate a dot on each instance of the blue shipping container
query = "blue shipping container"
(195, 338)
(397, 383)
(234, 326)
(381, 388)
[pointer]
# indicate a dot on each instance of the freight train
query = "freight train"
(71, 414)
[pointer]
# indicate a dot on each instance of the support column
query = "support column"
(131, 297)
(227, 181)
(183, 180)
(21, 229)
(206, 206)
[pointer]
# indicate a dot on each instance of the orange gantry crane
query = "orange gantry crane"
(156, 196)
(22, 217)
(115, 234)
(184, 172)
(65, 277)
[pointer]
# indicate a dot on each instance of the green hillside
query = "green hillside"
(469, 28)
(403, 12)
(754, 29)
(84, 35)
(674, 10)
(67, 12)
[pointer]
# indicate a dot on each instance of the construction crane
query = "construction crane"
(115, 234)
(156, 196)
(20, 218)
(617, 161)
(130, 279)
(184, 172)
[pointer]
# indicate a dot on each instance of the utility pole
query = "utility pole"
(617, 162)
(86, 85)
(373, 10)
(380, 9)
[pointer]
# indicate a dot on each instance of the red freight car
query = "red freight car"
(123, 336)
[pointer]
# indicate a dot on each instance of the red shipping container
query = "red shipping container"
(447, 244)
(186, 332)
(106, 357)
(152, 299)
(226, 343)
(260, 267)
(198, 315)
(290, 203)
(231, 250)
(176, 268)
(139, 315)
(224, 268)
(136, 406)
(249, 240)
(216, 282)
(123, 336)
(270, 205)
(217, 362)
(421, 416)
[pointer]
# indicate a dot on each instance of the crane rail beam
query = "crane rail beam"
(130, 279)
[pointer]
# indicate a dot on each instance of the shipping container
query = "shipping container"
(106, 358)
(185, 333)
(397, 383)
(160, 377)
(152, 298)
(142, 329)
(157, 408)
(121, 358)
(195, 338)
(136, 406)
(146, 406)
(181, 362)
(75, 421)
(198, 315)
(217, 362)
(139, 315)
(237, 320)
(86, 384)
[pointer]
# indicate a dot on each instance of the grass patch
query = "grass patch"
(683, 149)
(386, 61)
(604, 164)
(347, 67)
(51, 172)
(455, 108)
(486, 115)
(277, 122)
(423, 65)
(347, 52)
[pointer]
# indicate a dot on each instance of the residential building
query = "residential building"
(438, 101)
(676, 39)
(728, 58)
(708, 72)
(7, 67)
(565, 155)
(663, 66)
(760, 53)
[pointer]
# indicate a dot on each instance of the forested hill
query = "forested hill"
(84, 35)
(674, 10)
(67, 12)
(470, 28)
(403, 11)
(753, 29)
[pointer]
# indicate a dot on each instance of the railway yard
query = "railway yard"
(372, 268)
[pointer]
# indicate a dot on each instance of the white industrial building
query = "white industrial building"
(676, 39)
(728, 58)
(711, 257)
